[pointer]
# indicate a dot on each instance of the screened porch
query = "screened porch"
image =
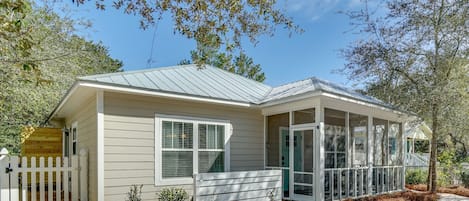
(333, 151)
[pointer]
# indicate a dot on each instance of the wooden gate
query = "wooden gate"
(44, 179)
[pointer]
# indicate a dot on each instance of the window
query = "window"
(211, 148)
(185, 146)
(177, 149)
(66, 143)
(74, 140)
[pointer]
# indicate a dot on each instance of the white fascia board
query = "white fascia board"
(330, 95)
(289, 99)
(334, 96)
(162, 94)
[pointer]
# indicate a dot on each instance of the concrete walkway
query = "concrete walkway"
(451, 197)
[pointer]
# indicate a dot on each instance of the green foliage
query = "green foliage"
(135, 193)
(465, 178)
(14, 29)
(449, 170)
(173, 194)
(415, 56)
(30, 92)
(212, 24)
(415, 176)
(242, 64)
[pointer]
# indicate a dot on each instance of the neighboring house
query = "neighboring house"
(422, 134)
(157, 127)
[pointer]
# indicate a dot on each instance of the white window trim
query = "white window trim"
(65, 141)
(159, 181)
(74, 126)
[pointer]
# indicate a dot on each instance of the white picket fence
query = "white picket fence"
(50, 180)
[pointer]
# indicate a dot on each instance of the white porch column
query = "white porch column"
(403, 153)
(370, 154)
(100, 143)
(291, 153)
(320, 156)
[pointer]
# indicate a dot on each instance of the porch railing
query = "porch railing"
(387, 179)
(340, 183)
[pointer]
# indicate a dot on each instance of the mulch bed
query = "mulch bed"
(457, 190)
(400, 196)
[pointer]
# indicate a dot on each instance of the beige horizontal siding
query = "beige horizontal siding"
(86, 117)
(129, 139)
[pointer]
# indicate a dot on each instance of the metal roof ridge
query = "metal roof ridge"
(135, 71)
(237, 75)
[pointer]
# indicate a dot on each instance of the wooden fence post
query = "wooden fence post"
(83, 175)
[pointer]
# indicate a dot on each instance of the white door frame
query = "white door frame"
(302, 127)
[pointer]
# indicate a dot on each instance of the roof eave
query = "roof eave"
(134, 90)
(62, 101)
(333, 95)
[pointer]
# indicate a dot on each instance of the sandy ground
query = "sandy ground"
(451, 197)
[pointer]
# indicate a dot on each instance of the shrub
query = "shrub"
(449, 168)
(465, 178)
(173, 194)
(416, 176)
(135, 193)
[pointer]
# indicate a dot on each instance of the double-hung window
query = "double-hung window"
(185, 146)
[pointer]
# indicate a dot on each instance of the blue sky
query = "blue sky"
(283, 59)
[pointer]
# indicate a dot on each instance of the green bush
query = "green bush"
(416, 176)
(465, 178)
(135, 193)
(449, 169)
(173, 194)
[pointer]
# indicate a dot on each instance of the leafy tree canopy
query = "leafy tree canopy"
(241, 64)
(415, 55)
(29, 94)
(213, 24)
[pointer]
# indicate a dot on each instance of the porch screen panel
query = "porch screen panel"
(177, 157)
(380, 181)
(358, 139)
(211, 148)
(305, 116)
(335, 150)
(380, 129)
(335, 139)
(395, 143)
(277, 144)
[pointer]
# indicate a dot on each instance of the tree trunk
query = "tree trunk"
(433, 155)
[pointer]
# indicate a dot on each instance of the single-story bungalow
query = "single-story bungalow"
(158, 127)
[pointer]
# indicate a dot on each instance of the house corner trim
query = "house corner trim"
(100, 143)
